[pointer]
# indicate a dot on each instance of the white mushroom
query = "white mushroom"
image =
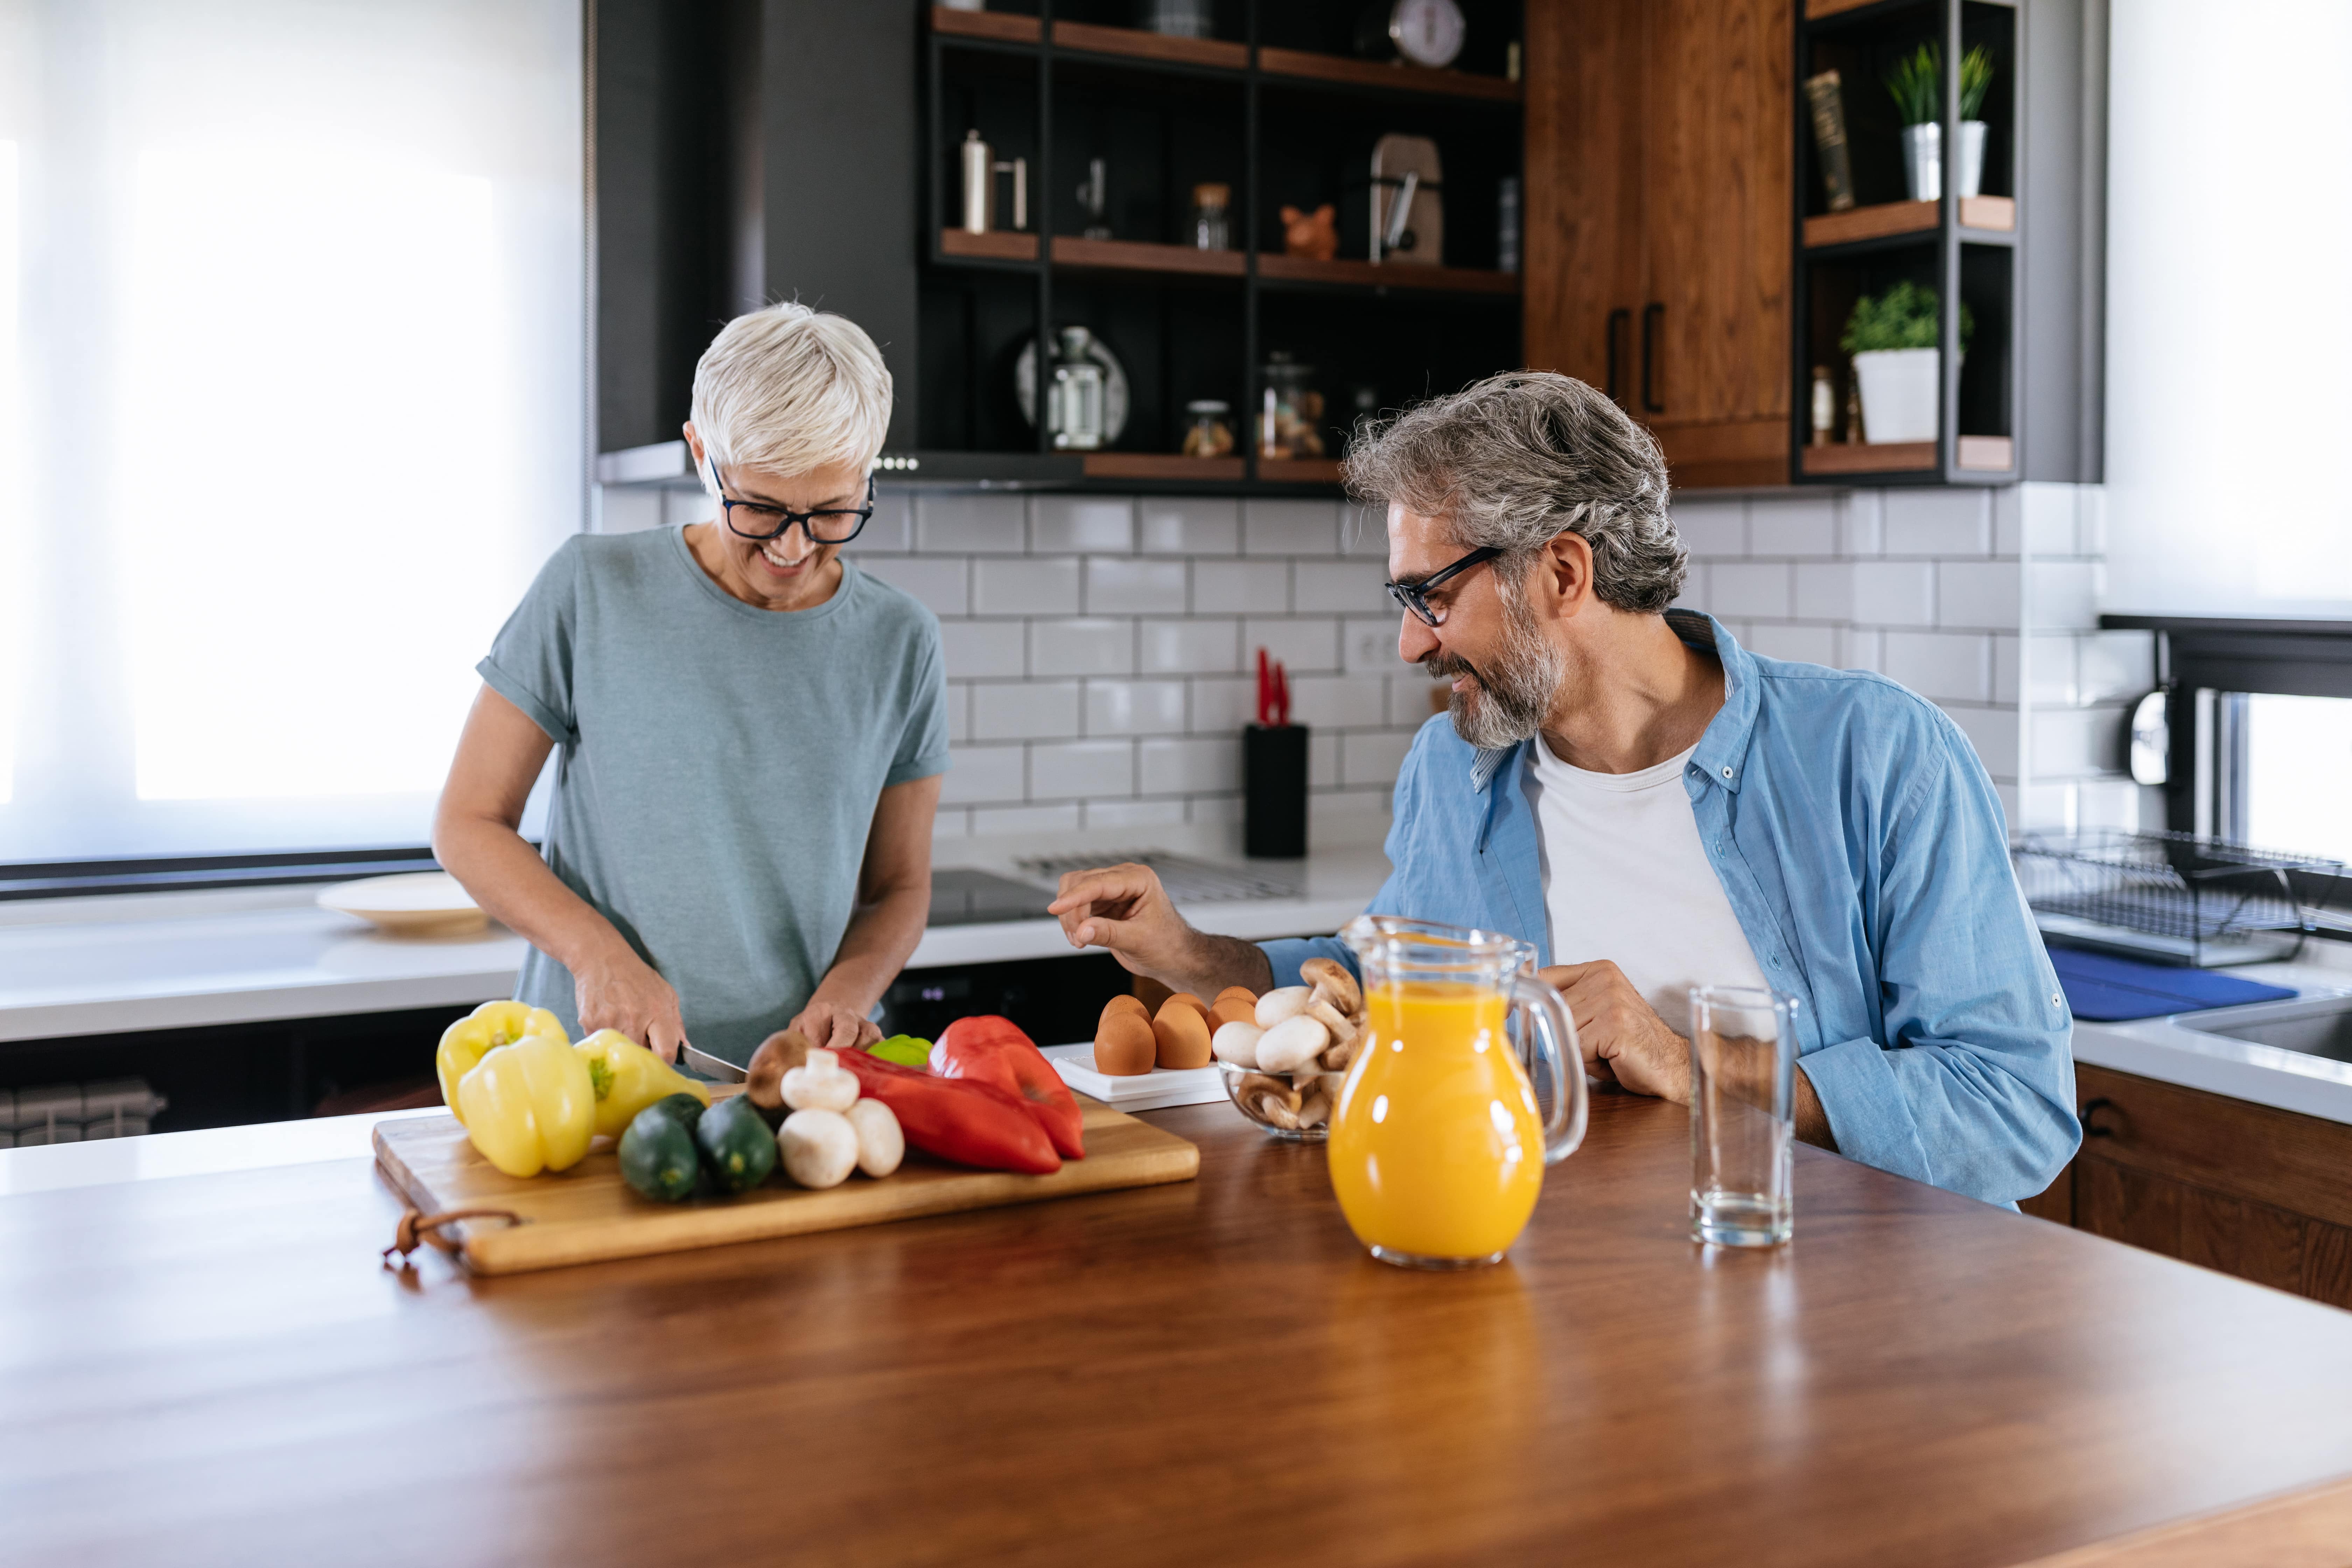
(821, 1083)
(881, 1144)
(1236, 1043)
(1292, 1044)
(1343, 1029)
(1315, 1111)
(1275, 1006)
(819, 1147)
(1332, 982)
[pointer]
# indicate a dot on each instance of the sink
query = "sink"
(2316, 1026)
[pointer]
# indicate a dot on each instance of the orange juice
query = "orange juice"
(1436, 1145)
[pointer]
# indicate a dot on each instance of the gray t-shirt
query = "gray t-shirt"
(719, 766)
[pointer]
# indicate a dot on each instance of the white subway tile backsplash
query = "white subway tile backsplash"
(1168, 813)
(959, 715)
(971, 524)
(1895, 593)
(1825, 591)
(1189, 767)
(982, 773)
(1190, 647)
(1809, 644)
(1939, 523)
(1862, 522)
(1338, 701)
(1693, 590)
(1954, 666)
(892, 526)
(1712, 527)
(1322, 760)
(2110, 803)
(1123, 587)
(1101, 645)
(1342, 588)
(1222, 704)
(2046, 516)
(1135, 707)
(2007, 655)
(939, 584)
(1239, 587)
(2047, 677)
(1213, 810)
(1993, 731)
(1364, 530)
(1862, 648)
(1372, 757)
(1413, 700)
(2008, 522)
(1369, 645)
(2115, 667)
(1081, 524)
(1028, 710)
(1005, 819)
(2066, 594)
(1028, 586)
(1979, 594)
(1795, 525)
(1748, 588)
(1290, 528)
(1302, 646)
(1080, 769)
(2077, 742)
(978, 648)
(1188, 525)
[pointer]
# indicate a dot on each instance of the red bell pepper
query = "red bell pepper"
(990, 1049)
(969, 1123)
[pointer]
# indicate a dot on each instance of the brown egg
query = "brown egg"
(1189, 1000)
(1232, 1010)
(1235, 993)
(1125, 1045)
(1182, 1032)
(1126, 1001)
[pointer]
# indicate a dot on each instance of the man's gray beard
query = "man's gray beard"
(1514, 691)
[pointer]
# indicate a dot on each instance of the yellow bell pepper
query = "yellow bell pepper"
(628, 1077)
(529, 1106)
(480, 1032)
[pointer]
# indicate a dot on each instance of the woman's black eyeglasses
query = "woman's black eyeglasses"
(1414, 596)
(837, 526)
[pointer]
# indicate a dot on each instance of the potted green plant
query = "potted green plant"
(1917, 85)
(1892, 338)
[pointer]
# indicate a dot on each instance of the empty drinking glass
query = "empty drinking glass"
(1743, 1114)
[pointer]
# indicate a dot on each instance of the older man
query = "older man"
(1656, 807)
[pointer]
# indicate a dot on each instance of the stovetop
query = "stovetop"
(965, 897)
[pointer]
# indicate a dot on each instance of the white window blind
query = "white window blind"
(291, 409)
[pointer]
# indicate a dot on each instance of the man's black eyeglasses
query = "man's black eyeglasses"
(837, 526)
(1414, 596)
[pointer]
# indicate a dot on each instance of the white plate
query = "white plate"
(416, 903)
(1153, 1090)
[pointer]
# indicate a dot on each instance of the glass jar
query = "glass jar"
(1290, 423)
(1211, 229)
(1209, 435)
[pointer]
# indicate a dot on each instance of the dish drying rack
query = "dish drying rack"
(2175, 896)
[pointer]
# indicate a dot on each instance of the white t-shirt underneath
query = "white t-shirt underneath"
(1626, 878)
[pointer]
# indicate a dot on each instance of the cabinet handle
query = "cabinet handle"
(2092, 1110)
(1650, 315)
(1618, 318)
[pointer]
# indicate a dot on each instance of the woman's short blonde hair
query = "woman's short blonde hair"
(788, 389)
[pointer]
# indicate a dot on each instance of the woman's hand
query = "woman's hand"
(625, 993)
(830, 1027)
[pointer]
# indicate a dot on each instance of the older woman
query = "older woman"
(752, 730)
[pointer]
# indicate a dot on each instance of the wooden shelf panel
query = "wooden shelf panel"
(1310, 67)
(1870, 457)
(1388, 275)
(996, 245)
(1299, 470)
(1134, 256)
(995, 25)
(1161, 466)
(1133, 43)
(1992, 215)
(1819, 8)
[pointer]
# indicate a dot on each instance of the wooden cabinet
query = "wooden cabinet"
(1658, 252)
(2262, 1193)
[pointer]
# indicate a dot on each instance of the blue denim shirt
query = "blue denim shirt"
(1863, 852)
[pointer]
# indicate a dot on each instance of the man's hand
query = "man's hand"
(830, 1027)
(1125, 909)
(1622, 1034)
(625, 993)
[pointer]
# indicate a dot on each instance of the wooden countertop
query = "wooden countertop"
(214, 1368)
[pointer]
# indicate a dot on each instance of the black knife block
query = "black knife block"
(1274, 792)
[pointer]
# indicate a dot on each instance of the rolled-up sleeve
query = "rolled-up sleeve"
(1972, 1088)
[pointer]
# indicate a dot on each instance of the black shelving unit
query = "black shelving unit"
(1965, 249)
(1276, 107)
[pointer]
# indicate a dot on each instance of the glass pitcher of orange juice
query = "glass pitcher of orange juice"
(1437, 1144)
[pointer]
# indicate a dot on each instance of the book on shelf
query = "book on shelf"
(1828, 138)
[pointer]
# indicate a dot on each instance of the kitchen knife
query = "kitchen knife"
(710, 1067)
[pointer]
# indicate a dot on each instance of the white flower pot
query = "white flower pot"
(1898, 394)
(1923, 160)
(1967, 168)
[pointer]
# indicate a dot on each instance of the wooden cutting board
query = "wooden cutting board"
(587, 1214)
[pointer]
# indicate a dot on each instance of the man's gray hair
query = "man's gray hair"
(1513, 460)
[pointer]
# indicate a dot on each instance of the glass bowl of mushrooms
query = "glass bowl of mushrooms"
(1282, 1063)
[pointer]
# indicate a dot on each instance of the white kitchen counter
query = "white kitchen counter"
(164, 961)
(2172, 1050)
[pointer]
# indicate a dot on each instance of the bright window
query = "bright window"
(2298, 754)
(302, 351)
